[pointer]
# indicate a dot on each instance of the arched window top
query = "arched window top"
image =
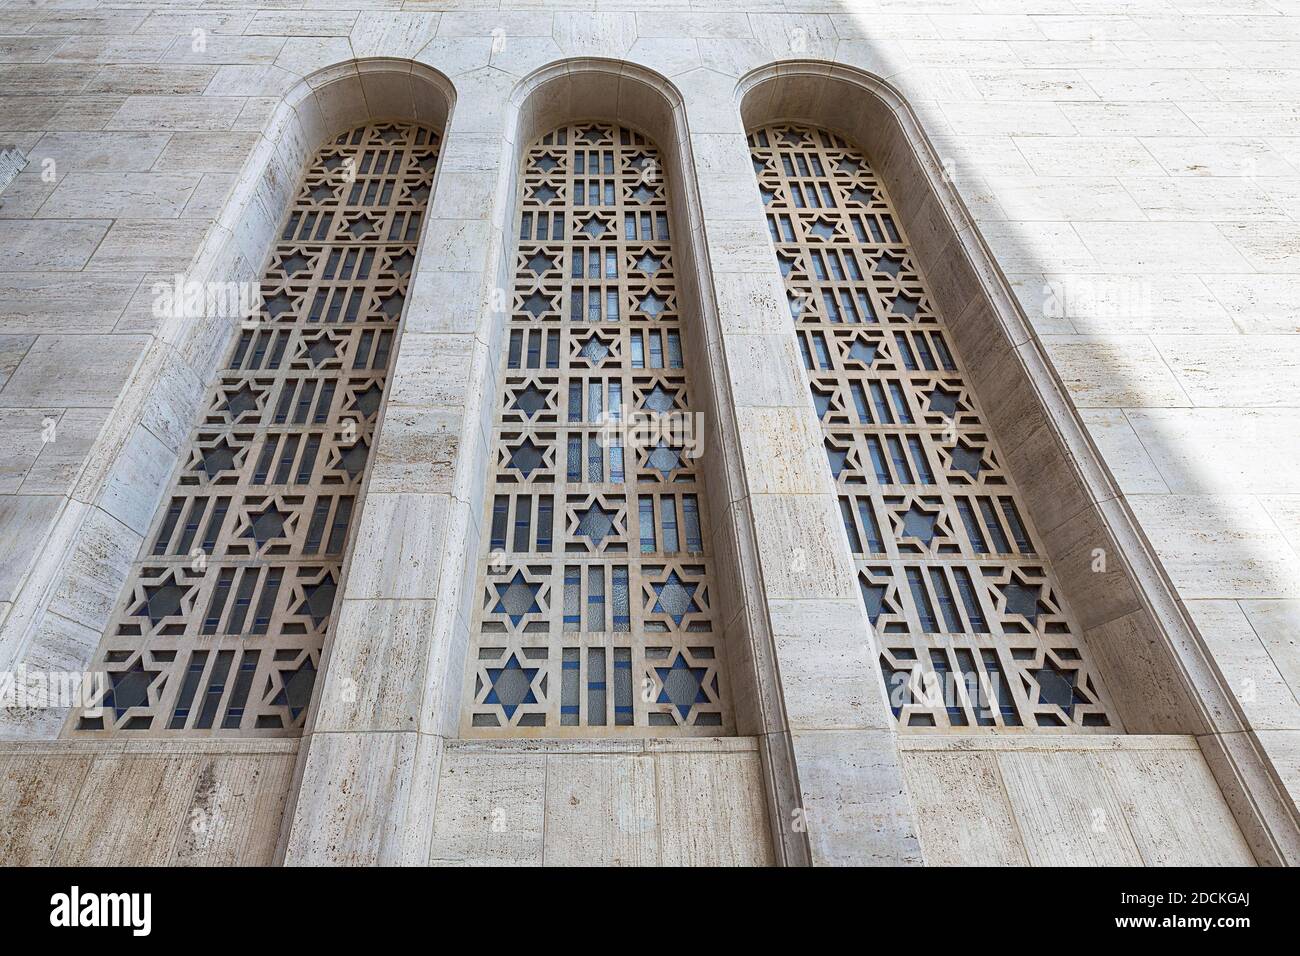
(973, 629)
(595, 610)
(221, 624)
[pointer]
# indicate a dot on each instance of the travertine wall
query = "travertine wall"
(1070, 801)
(1134, 172)
(142, 803)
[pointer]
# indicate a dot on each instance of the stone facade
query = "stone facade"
(1104, 200)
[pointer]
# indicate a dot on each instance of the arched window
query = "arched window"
(972, 627)
(221, 624)
(595, 612)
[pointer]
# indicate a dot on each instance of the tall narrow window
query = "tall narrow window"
(972, 627)
(595, 611)
(220, 627)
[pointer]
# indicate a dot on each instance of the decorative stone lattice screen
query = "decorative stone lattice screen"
(973, 630)
(596, 610)
(221, 625)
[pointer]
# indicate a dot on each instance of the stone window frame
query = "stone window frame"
(1160, 674)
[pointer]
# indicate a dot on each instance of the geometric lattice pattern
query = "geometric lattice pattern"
(595, 612)
(973, 628)
(220, 627)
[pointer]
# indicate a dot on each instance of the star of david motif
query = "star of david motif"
(391, 305)
(905, 305)
(823, 229)
(967, 459)
(649, 263)
(162, 601)
(130, 688)
(1023, 599)
(267, 525)
(594, 228)
(511, 686)
(653, 304)
(321, 350)
(659, 400)
(675, 598)
(391, 134)
(403, 264)
(318, 599)
(545, 194)
(864, 351)
(793, 137)
(531, 400)
(595, 522)
(418, 194)
(1058, 687)
(822, 401)
(538, 305)
(362, 226)
(943, 401)
(874, 598)
(847, 164)
(838, 459)
(526, 457)
(367, 400)
(545, 162)
(353, 459)
(241, 401)
(592, 135)
(664, 459)
(218, 458)
(889, 264)
(859, 194)
(682, 686)
(919, 524)
(296, 687)
(516, 598)
(643, 194)
(540, 264)
(323, 192)
(279, 304)
(295, 263)
(594, 350)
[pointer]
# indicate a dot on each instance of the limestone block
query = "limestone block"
(376, 655)
(36, 798)
(96, 571)
(416, 450)
(802, 548)
(751, 303)
(854, 799)
(1125, 454)
(1067, 812)
(397, 551)
(601, 809)
(783, 453)
(1142, 678)
(149, 112)
(711, 810)
(1219, 546)
(491, 809)
(365, 799)
(963, 816)
(827, 662)
(24, 521)
(58, 462)
(57, 246)
(1174, 811)
(1250, 672)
